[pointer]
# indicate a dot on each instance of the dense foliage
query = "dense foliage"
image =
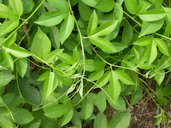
(63, 63)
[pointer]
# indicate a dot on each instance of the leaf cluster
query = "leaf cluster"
(63, 62)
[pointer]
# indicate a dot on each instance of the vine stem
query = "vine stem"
(7, 109)
(80, 37)
(117, 66)
(82, 49)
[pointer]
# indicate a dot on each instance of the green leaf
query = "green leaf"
(27, 6)
(168, 13)
(86, 109)
(29, 92)
(43, 76)
(161, 46)
(6, 123)
(90, 65)
(114, 87)
(101, 101)
(62, 5)
(9, 63)
(41, 45)
(16, 6)
(85, 11)
(152, 53)
(91, 3)
(35, 124)
(127, 33)
(8, 26)
(118, 12)
(51, 18)
(11, 41)
(104, 79)
(162, 100)
(105, 5)
(22, 116)
(105, 29)
(67, 117)
(153, 15)
(21, 66)
(66, 58)
(103, 44)
(76, 121)
(66, 28)
(6, 12)
(131, 6)
(159, 77)
(5, 78)
(12, 100)
(119, 46)
(17, 51)
(136, 96)
(100, 121)
(123, 77)
(135, 7)
(120, 120)
(49, 84)
(151, 27)
(54, 37)
(55, 110)
(52, 56)
(164, 91)
(96, 75)
(144, 41)
(92, 24)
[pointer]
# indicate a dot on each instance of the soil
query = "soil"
(143, 114)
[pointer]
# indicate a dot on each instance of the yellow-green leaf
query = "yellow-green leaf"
(92, 24)
(123, 77)
(153, 15)
(16, 6)
(114, 87)
(5, 78)
(161, 46)
(17, 51)
(66, 28)
(9, 63)
(103, 44)
(50, 18)
(151, 27)
(105, 28)
(41, 45)
(8, 26)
